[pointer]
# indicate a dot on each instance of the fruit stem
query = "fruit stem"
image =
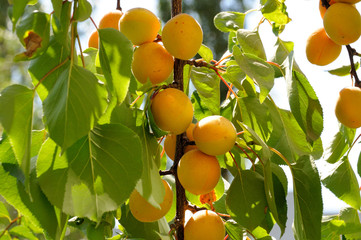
(118, 5)
(325, 3)
(351, 53)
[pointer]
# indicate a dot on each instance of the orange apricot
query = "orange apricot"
(320, 49)
(182, 36)
(139, 25)
(204, 224)
(342, 23)
(143, 211)
(111, 20)
(152, 62)
(94, 40)
(171, 140)
(198, 172)
(348, 1)
(172, 110)
(214, 135)
(323, 8)
(348, 110)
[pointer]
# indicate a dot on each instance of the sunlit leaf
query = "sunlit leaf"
(229, 21)
(83, 11)
(341, 180)
(73, 105)
(344, 70)
(275, 11)
(307, 199)
(206, 53)
(84, 181)
(251, 42)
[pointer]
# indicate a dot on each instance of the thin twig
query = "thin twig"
(81, 51)
(9, 225)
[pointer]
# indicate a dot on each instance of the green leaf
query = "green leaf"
(234, 230)
(229, 21)
(83, 11)
(307, 199)
(344, 70)
(37, 208)
(287, 136)
(235, 75)
(18, 9)
(34, 34)
(304, 103)
(47, 68)
(207, 84)
(61, 22)
(115, 55)
(275, 11)
(346, 223)
(22, 231)
(16, 115)
(73, 105)
(359, 165)
(257, 69)
(84, 181)
(200, 109)
(251, 42)
(341, 180)
(338, 146)
(206, 53)
(247, 190)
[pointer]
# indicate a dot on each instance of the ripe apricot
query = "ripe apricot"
(182, 36)
(348, 1)
(320, 49)
(94, 40)
(214, 135)
(143, 211)
(348, 110)
(139, 25)
(111, 20)
(171, 140)
(323, 8)
(204, 224)
(198, 172)
(151, 61)
(172, 110)
(342, 23)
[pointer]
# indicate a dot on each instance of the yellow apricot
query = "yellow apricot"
(348, 110)
(198, 172)
(348, 1)
(342, 23)
(94, 40)
(171, 140)
(111, 20)
(143, 211)
(214, 135)
(204, 224)
(139, 25)
(151, 61)
(172, 110)
(323, 8)
(182, 36)
(320, 49)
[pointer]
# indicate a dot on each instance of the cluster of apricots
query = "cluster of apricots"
(153, 61)
(341, 26)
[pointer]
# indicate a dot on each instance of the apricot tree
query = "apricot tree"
(100, 161)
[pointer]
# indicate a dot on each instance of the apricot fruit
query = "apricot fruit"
(214, 135)
(152, 62)
(348, 1)
(342, 23)
(323, 8)
(171, 140)
(320, 49)
(94, 40)
(111, 20)
(348, 110)
(139, 25)
(198, 172)
(172, 110)
(204, 224)
(182, 36)
(143, 211)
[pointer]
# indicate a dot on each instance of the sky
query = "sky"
(305, 20)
